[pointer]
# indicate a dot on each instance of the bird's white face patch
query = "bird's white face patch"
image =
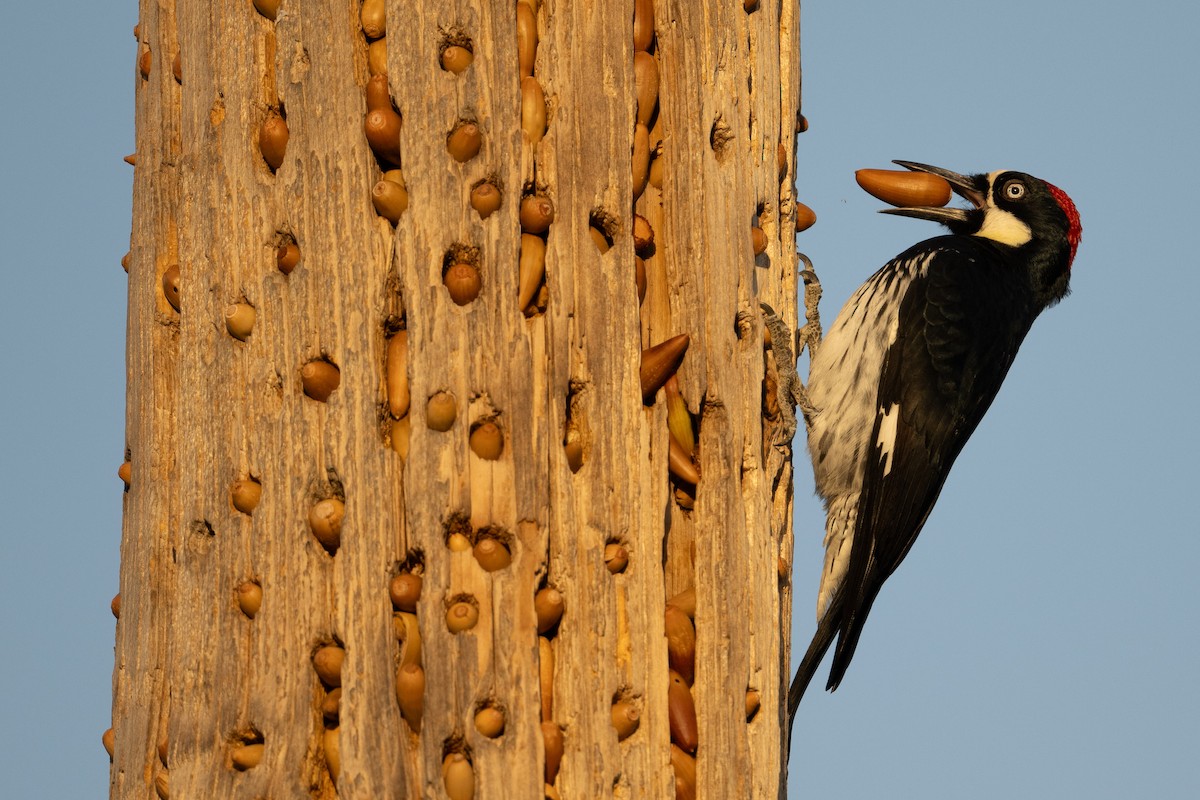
(887, 435)
(1000, 225)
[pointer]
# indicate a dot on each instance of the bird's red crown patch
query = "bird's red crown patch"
(1074, 229)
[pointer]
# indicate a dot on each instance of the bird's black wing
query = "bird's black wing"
(960, 324)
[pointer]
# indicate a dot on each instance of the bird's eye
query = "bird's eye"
(1014, 190)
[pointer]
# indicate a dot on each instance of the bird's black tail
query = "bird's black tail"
(826, 630)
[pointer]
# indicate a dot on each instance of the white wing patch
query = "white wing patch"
(887, 435)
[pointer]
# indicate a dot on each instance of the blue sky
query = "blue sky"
(1040, 640)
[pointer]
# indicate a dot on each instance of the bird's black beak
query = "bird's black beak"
(971, 187)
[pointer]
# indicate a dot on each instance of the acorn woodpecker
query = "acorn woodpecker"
(907, 371)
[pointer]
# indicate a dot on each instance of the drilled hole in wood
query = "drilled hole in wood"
(720, 138)
(616, 556)
(287, 252)
(603, 226)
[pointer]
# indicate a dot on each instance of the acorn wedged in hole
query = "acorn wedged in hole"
(640, 162)
(377, 57)
(487, 441)
(125, 473)
(249, 598)
(247, 756)
(758, 240)
(320, 379)
(681, 642)
(680, 464)
(331, 708)
(485, 199)
(462, 616)
(390, 199)
(239, 320)
(109, 739)
(548, 606)
(456, 59)
(536, 214)
(527, 39)
(661, 362)
(684, 767)
(464, 142)
(325, 521)
(170, 285)
(805, 217)
(287, 256)
(408, 633)
(327, 661)
(410, 694)
(645, 81)
(904, 189)
(533, 109)
(679, 420)
(643, 235)
(458, 776)
(491, 554)
(333, 753)
(382, 128)
(489, 721)
(625, 719)
(552, 740)
(115, 606)
(373, 18)
(440, 411)
(273, 140)
(681, 713)
(546, 676)
(643, 24)
(463, 283)
(616, 557)
(396, 374)
(753, 702)
(405, 591)
(268, 8)
(531, 268)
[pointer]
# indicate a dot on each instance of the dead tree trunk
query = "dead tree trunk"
(325, 404)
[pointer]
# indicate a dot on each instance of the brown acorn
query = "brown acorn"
(333, 753)
(489, 721)
(170, 286)
(409, 634)
(681, 713)
(145, 60)
(464, 142)
(249, 598)
(125, 473)
(680, 464)
(382, 128)
(440, 411)
(287, 256)
(758, 240)
(462, 616)
(410, 693)
(533, 109)
(485, 198)
(487, 441)
(527, 38)
(599, 238)
(131, 160)
(661, 362)
(801, 123)
(552, 739)
(536, 214)
(641, 159)
(246, 756)
(903, 188)
(643, 24)
(456, 59)
(781, 160)
(679, 421)
(331, 707)
(244, 494)
(319, 379)
(645, 80)
(273, 139)
(458, 776)
(546, 676)
(162, 749)
(573, 450)
(531, 268)
(390, 200)
(377, 94)
(373, 18)
(108, 739)
(126, 260)
(239, 320)
(463, 283)
(685, 601)
(639, 277)
(177, 68)
(491, 554)
(548, 606)
(377, 57)
(268, 8)
(805, 217)
(684, 767)
(115, 606)
(396, 372)
(405, 591)
(643, 235)
(753, 702)
(327, 662)
(625, 718)
(457, 543)
(399, 435)
(681, 642)
(325, 520)
(162, 785)
(616, 557)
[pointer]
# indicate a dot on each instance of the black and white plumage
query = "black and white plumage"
(907, 371)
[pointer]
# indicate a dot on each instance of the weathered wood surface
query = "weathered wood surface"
(206, 409)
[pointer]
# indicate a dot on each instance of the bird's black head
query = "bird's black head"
(1017, 210)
